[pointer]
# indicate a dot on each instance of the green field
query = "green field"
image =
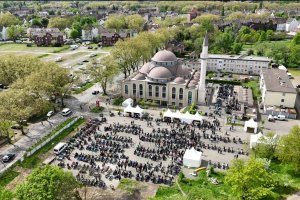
(19, 48)
(294, 72)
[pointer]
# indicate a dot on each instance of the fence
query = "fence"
(29, 153)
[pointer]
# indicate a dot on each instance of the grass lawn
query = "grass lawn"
(7, 177)
(294, 72)
(97, 109)
(34, 49)
(254, 85)
(84, 88)
(130, 185)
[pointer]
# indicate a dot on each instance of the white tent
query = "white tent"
(254, 138)
(127, 102)
(250, 126)
(136, 110)
(186, 117)
(192, 158)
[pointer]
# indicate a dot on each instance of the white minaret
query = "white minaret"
(201, 84)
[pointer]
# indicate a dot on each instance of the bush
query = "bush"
(233, 82)
(118, 101)
(97, 109)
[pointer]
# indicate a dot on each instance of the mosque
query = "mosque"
(167, 81)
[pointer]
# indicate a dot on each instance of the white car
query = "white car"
(280, 117)
(93, 55)
(58, 59)
(66, 111)
(50, 113)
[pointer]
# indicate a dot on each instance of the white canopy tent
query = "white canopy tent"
(136, 110)
(192, 158)
(183, 117)
(260, 138)
(250, 126)
(127, 102)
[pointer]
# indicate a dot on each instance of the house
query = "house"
(277, 89)
(110, 36)
(175, 47)
(3, 33)
(291, 24)
(89, 34)
(46, 36)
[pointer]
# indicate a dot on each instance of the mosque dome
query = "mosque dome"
(145, 68)
(191, 86)
(163, 56)
(179, 80)
(139, 77)
(160, 73)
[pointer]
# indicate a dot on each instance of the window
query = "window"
(134, 89)
(156, 91)
(282, 100)
(150, 90)
(180, 94)
(141, 90)
(173, 93)
(283, 94)
(126, 89)
(190, 97)
(163, 92)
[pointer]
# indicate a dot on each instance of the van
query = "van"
(60, 147)
(58, 59)
(290, 75)
(66, 111)
(280, 117)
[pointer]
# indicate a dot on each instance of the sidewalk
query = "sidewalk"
(36, 132)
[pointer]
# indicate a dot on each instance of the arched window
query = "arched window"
(126, 89)
(134, 89)
(180, 94)
(173, 93)
(190, 97)
(156, 91)
(150, 90)
(141, 90)
(164, 92)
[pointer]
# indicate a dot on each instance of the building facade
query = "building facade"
(46, 36)
(277, 89)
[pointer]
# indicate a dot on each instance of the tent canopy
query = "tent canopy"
(192, 158)
(250, 124)
(260, 138)
(127, 102)
(184, 117)
(130, 109)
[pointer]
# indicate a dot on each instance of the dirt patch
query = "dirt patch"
(143, 193)
(19, 179)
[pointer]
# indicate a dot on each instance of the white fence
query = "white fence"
(29, 153)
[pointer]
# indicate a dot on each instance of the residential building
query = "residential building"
(277, 89)
(46, 36)
(3, 33)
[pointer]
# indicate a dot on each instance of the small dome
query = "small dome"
(164, 55)
(194, 82)
(145, 68)
(139, 76)
(182, 71)
(191, 85)
(179, 80)
(160, 73)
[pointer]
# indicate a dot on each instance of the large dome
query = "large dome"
(163, 56)
(179, 80)
(160, 73)
(139, 77)
(145, 68)
(182, 71)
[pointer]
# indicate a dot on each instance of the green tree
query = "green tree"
(104, 72)
(115, 22)
(44, 22)
(74, 34)
(246, 184)
(263, 36)
(223, 11)
(59, 22)
(7, 19)
(296, 40)
(224, 41)
(134, 22)
(237, 48)
(266, 146)
(15, 31)
(288, 150)
(269, 35)
(36, 22)
(294, 56)
(5, 128)
(48, 183)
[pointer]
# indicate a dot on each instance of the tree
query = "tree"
(250, 52)
(48, 183)
(288, 150)
(296, 40)
(135, 22)
(115, 22)
(224, 41)
(7, 19)
(237, 48)
(5, 128)
(74, 34)
(223, 11)
(235, 16)
(36, 22)
(45, 22)
(206, 17)
(263, 36)
(269, 35)
(104, 72)
(266, 146)
(246, 184)
(59, 22)
(15, 31)
(294, 56)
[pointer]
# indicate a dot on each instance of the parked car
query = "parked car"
(8, 157)
(16, 126)
(66, 111)
(85, 61)
(93, 55)
(271, 118)
(90, 47)
(50, 113)
(58, 59)
(95, 92)
(280, 117)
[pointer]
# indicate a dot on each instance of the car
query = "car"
(79, 63)
(93, 55)
(95, 92)
(85, 61)
(50, 113)
(280, 117)
(298, 86)
(58, 59)
(16, 127)
(66, 112)
(271, 118)
(8, 157)
(90, 47)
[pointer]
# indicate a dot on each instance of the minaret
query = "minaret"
(201, 84)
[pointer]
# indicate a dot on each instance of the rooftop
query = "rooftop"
(239, 57)
(277, 80)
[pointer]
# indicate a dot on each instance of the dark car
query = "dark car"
(16, 126)
(298, 86)
(8, 157)
(95, 92)
(85, 61)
